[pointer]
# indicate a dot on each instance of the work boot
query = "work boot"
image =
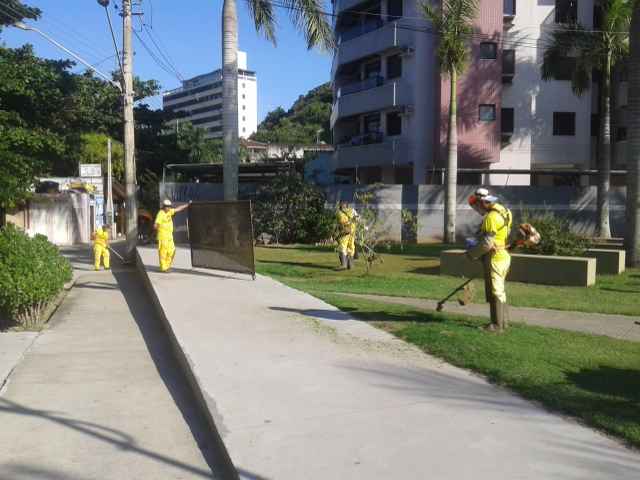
(501, 311)
(496, 324)
(505, 315)
(349, 262)
(343, 261)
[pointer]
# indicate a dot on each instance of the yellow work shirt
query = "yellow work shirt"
(164, 222)
(345, 219)
(498, 224)
(101, 239)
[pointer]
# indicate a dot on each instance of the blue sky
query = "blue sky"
(190, 35)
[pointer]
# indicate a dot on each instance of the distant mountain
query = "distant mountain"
(306, 121)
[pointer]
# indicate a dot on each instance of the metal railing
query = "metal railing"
(359, 30)
(361, 85)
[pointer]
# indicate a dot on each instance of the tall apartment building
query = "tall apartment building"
(200, 98)
(390, 111)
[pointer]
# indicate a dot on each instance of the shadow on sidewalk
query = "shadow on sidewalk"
(333, 315)
(161, 351)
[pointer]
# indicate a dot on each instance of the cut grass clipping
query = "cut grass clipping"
(592, 378)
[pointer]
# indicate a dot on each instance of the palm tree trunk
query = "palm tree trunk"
(632, 240)
(604, 160)
(230, 98)
(450, 203)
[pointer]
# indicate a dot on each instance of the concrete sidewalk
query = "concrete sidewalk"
(617, 326)
(299, 390)
(99, 395)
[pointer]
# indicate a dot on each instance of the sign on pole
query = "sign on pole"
(90, 170)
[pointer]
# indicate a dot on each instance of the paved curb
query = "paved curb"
(185, 366)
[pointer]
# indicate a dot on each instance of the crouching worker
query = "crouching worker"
(164, 229)
(346, 217)
(101, 247)
(491, 247)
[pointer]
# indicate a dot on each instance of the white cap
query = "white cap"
(490, 199)
(166, 203)
(482, 192)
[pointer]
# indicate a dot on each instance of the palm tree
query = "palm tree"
(306, 15)
(598, 50)
(453, 22)
(633, 160)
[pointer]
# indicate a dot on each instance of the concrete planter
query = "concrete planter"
(541, 269)
(610, 261)
(608, 245)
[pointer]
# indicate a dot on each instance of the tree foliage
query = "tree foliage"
(304, 123)
(292, 210)
(14, 11)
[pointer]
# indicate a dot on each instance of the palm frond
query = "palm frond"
(309, 17)
(263, 18)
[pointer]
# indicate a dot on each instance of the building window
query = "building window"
(597, 17)
(394, 66)
(244, 129)
(595, 124)
(372, 69)
(244, 107)
(567, 11)
(488, 50)
(509, 8)
(244, 96)
(508, 62)
(244, 119)
(564, 123)
(621, 134)
(243, 85)
(394, 9)
(487, 113)
(394, 124)
(372, 123)
(564, 69)
(507, 117)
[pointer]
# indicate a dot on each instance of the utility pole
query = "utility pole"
(110, 191)
(129, 139)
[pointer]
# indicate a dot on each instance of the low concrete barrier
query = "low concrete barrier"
(541, 269)
(609, 261)
(608, 245)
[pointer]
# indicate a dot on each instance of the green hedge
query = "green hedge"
(557, 238)
(32, 274)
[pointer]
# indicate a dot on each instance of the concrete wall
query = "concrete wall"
(427, 201)
(63, 218)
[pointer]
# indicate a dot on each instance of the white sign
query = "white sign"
(91, 170)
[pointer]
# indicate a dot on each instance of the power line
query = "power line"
(155, 58)
(167, 58)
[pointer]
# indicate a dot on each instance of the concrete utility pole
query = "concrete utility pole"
(129, 139)
(110, 191)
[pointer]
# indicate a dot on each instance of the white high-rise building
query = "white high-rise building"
(200, 98)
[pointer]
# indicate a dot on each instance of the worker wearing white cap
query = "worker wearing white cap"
(492, 249)
(164, 228)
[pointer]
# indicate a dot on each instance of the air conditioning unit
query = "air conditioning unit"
(407, 110)
(407, 52)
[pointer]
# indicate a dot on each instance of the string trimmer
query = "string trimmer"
(464, 300)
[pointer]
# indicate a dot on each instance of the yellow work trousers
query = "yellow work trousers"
(498, 265)
(166, 252)
(100, 253)
(347, 244)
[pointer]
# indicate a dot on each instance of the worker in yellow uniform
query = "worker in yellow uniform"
(347, 218)
(101, 247)
(163, 226)
(491, 247)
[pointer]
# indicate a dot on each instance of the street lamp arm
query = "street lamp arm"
(24, 26)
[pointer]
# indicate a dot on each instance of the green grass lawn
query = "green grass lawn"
(414, 273)
(595, 379)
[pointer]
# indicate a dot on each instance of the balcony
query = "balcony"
(360, 86)
(342, 5)
(388, 37)
(376, 151)
(359, 30)
(391, 94)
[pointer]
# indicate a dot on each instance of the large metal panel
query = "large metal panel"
(221, 236)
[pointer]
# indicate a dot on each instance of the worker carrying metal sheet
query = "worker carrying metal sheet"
(164, 230)
(347, 218)
(490, 246)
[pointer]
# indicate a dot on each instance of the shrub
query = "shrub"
(557, 236)
(292, 211)
(32, 273)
